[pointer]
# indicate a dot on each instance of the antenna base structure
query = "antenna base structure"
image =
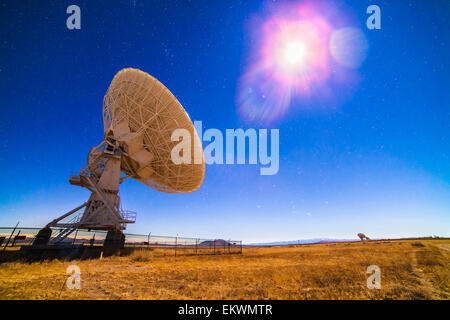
(139, 117)
(102, 211)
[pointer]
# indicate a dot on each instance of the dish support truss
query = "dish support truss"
(102, 211)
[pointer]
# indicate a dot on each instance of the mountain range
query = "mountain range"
(304, 241)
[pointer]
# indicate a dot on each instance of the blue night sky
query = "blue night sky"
(377, 162)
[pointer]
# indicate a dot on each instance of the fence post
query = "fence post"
(229, 245)
(176, 244)
(14, 240)
(148, 239)
(241, 246)
(196, 244)
(75, 238)
(214, 246)
(9, 239)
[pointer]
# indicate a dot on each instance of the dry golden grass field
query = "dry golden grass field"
(410, 269)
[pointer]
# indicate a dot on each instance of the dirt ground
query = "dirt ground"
(409, 269)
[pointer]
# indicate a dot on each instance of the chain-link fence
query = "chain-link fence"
(15, 238)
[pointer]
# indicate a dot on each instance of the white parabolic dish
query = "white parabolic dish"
(141, 114)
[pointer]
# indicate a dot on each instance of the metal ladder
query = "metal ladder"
(63, 234)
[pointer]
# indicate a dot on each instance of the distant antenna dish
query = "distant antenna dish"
(362, 236)
(139, 116)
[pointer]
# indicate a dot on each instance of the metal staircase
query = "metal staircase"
(71, 226)
(63, 234)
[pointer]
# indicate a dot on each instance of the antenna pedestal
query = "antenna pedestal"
(43, 237)
(114, 240)
(102, 178)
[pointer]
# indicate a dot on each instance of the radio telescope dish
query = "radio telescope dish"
(141, 113)
(139, 116)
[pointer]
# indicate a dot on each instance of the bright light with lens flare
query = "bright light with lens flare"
(292, 64)
(294, 53)
(292, 57)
